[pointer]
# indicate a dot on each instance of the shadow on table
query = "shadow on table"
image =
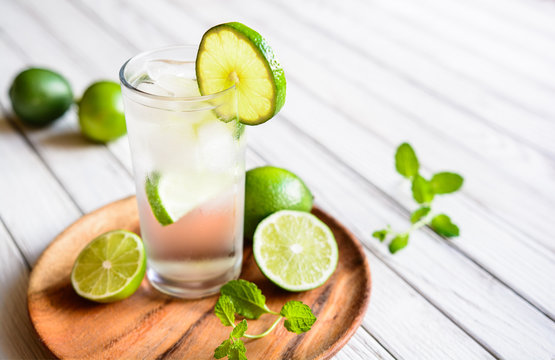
(18, 339)
(59, 134)
(67, 139)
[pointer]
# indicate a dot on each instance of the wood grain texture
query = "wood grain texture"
(17, 338)
(491, 57)
(449, 280)
(87, 171)
(152, 325)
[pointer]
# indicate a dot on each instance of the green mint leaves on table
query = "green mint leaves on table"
(245, 298)
(423, 192)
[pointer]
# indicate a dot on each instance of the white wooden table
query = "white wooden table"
(470, 84)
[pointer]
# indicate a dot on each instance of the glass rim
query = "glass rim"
(139, 92)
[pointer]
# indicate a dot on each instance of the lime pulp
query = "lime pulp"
(110, 268)
(295, 250)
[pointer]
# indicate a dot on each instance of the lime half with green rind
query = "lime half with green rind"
(110, 268)
(295, 250)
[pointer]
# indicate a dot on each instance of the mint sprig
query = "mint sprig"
(423, 192)
(245, 298)
(298, 317)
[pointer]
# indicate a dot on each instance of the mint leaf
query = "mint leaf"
(239, 330)
(298, 316)
(419, 214)
(406, 161)
(225, 310)
(222, 350)
(446, 182)
(380, 234)
(246, 297)
(422, 190)
(398, 243)
(442, 225)
(237, 351)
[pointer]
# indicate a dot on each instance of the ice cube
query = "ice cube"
(178, 86)
(154, 89)
(157, 68)
(217, 147)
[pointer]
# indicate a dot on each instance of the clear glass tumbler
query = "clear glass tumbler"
(188, 156)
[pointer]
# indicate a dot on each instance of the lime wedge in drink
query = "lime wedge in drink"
(234, 54)
(172, 195)
(295, 250)
(110, 268)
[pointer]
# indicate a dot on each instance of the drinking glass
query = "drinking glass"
(188, 155)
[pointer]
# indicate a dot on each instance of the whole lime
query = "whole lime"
(269, 189)
(101, 112)
(40, 96)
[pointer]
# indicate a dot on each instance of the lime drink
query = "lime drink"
(188, 153)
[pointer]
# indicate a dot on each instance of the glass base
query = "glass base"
(191, 289)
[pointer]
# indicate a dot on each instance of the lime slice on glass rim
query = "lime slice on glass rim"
(110, 268)
(295, 250)
(234, 54)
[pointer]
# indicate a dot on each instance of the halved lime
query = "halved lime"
(295, 250)
(110, 268)
(234, 54)
(269, 189)
(172, 195)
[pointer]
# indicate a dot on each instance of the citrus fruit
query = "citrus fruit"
(40, 96)
(170, 195)
(110, 268)
(101, 112)
(269, 189)
(295, 250)
(234, 54)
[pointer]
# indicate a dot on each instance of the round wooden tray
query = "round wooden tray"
(151, 325)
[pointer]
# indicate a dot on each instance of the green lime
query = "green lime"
(295, 250)
(40, 96)
(234, 54)
(173, 194)
(269, 189)
(101, 112)
(110, 268)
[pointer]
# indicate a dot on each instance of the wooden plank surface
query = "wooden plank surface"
(407, 341)
(469, 84)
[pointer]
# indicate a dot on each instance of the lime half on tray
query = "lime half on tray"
(110, 268)
(295, 250)
(234, 54)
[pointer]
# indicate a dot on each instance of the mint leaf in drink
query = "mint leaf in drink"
(446, 182)
(398, 243)
(422, 190)
(406, 161)
(246, 297)
(237, 351)
(225, 310)
(239, 330)
(298, 316)
(419, 214)
(442, 225)
(380, 234)
(223, 350)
